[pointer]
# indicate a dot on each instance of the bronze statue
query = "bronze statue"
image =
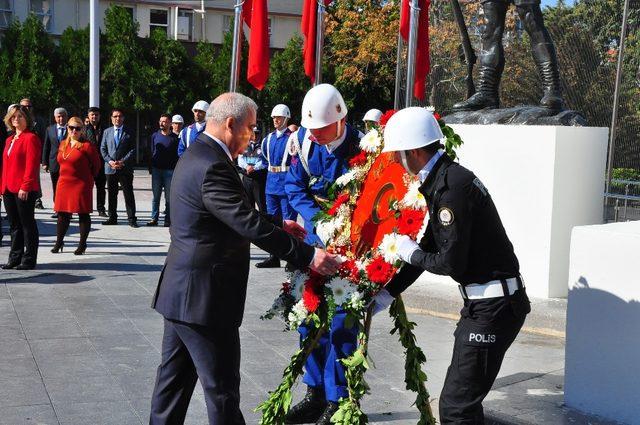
(492, 56)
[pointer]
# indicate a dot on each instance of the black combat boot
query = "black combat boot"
(552, 94)
(487, 95)
(325, 419)
(309, 409)
(272, 262)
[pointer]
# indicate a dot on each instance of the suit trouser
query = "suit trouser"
(24, 229)
(254, 186)
(126, 180)
(486, 329)
(54, 183)
(101, 193)
(190, 352)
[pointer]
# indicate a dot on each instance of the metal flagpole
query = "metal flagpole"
(398, 95)
(319, 41)
(411, 53)
(237, 47)
(94, 54)
(616, 98)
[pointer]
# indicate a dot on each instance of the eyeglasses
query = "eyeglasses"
(74, 128)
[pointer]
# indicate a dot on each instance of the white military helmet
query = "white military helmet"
(373, 115)
(281, 110)
(322, 105)
(411, 128)
(200, 105)
(177, 118)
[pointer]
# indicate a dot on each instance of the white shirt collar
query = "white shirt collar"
(200, 125)
(60, 126)
(279, 133)
(422, 174)
(336, 143)
(222, 145)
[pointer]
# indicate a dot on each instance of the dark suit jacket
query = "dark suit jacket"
(124, 151)
(50, 148)
(213, 223)
(94, 135)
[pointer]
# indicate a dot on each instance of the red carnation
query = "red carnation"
(359, 159)
(337, 203)
(410, 222)
(349, 270)
(385, 117)
(379, 271)
(437, 116)
(310, 298)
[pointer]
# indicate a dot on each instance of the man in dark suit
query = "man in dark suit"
(94, 131)
(202, 288)
(117, 149)
(52, 137)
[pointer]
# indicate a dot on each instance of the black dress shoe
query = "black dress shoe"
(110, 222)
(133, 224)
(152, 223)
(270, 263)
(11, 265)
(38, 205)
(26, 266)
(167, 223)
(309, 409)
(54, 215)
(102, 213)
(329, 411)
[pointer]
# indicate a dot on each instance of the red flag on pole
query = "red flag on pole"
(422, 43)
(258, 66)
(309, 24)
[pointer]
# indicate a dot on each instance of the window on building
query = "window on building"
(159, 20)
(129, 10)
(43, 9)
(226, 24)
(6, 13)
(269, 29)
(185, 24)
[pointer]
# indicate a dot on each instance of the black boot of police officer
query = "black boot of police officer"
(465, 239)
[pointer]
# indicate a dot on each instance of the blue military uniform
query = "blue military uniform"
(313, 170)
(254, 183)
(274, 148)
(188, 135)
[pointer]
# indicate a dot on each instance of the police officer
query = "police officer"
(189, 134)
(371, 118)
(253, 168)
(324, 144)
(274, 148)
(464, 239)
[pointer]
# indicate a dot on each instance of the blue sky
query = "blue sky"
(554, 2)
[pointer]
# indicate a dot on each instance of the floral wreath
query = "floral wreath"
(308, 297)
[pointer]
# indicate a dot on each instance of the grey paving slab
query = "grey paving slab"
(64, 365)
(57, 346)
(22, 391)
(80, 389)
(42, 414)
(18, 367)
(103, 412)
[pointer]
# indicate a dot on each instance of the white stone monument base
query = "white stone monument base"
(602, 374)
(544, 181)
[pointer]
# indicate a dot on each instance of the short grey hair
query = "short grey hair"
(60, 111)
(230, 105)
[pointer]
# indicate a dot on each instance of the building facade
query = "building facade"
(190, 21)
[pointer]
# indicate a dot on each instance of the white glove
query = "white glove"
(406, 248)
(381, 301)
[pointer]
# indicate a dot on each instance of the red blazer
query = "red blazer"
(21, 166)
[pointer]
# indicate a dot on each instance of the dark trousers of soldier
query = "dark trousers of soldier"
(484, 333)
(255, 187)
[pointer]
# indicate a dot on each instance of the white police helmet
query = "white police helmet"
(200, 105)
(177, 118)
(322, 105)
(373, 115)
(411, 128)
(281, 111)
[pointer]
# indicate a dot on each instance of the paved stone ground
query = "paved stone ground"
(79, 343)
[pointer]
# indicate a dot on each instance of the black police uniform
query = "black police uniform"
(465, 239)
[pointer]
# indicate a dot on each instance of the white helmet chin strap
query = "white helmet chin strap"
(403, 157)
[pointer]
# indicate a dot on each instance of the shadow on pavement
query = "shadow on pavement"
(48, 278)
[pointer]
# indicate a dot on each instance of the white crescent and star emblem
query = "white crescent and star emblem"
(445, 215)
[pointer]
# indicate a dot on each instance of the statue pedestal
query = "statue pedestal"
(544, 181)
(603, 322)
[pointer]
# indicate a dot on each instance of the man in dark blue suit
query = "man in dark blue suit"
(53, 136)
(117, 149)
(202, 288)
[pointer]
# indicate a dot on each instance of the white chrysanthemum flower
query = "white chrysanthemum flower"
(298, 314)
(342, 290)
(430, 108)
(371, 141)
(327, 229)
(357, 300)
(414, 199)
(297, 284)
(389, 248)
(344, 179)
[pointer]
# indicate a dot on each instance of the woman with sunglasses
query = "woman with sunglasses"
(79, 164)
(20, 187)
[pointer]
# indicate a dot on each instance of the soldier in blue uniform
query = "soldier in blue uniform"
(274, 149)
(323, 146)
(189, 134)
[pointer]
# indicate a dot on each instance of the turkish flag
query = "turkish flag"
(258, 66)
(422, 43)
(309, 30)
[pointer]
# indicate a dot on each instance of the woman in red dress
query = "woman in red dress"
(19, 187)
(79, 164)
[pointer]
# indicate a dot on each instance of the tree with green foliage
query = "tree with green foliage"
(73, 70)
